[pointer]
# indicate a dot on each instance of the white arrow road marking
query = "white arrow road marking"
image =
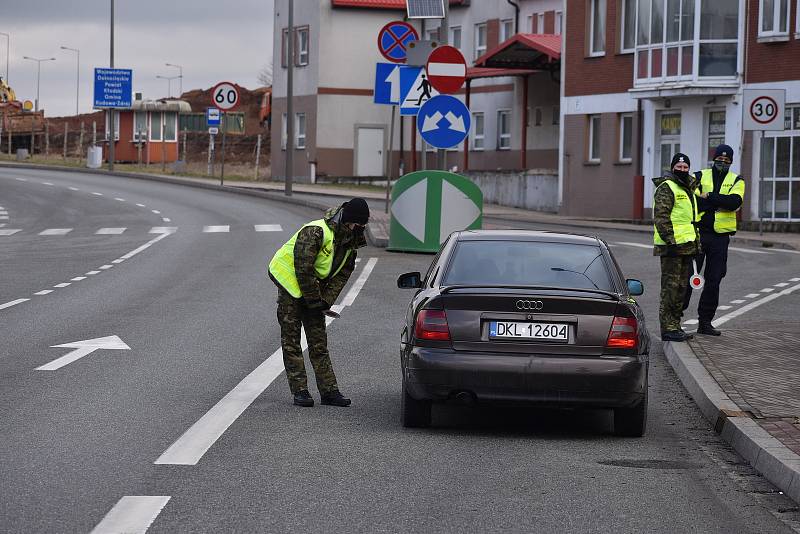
(447, 69)
(82, 348)
(133, 514)
(393, 79)
(409, 209)
(431, 122)
(195, 442)
(456, 123)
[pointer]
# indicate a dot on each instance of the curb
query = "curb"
(374, 240)
(766, 454)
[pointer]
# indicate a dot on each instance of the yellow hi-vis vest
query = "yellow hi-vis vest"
(282, 264)
(724, 221)
(683, 216)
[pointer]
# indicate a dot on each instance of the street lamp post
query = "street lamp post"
(169, 83)
(77, 77)
(8, 47)
(38, 73)
(180, 75)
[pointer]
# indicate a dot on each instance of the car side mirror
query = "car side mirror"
(635, 287)
(410, 281)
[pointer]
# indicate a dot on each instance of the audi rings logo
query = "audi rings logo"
(535, 305)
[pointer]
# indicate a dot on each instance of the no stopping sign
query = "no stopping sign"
(763, 109)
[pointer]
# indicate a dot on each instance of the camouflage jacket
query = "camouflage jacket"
(306, 248)
(663, 202)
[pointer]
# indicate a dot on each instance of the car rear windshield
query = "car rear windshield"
(531, 263)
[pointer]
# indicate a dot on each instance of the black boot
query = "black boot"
(335, 398)
(687, 334)
(303, 398)
(708, 329)
(674, 335)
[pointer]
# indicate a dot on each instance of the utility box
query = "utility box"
(94, 157)
(22, 154)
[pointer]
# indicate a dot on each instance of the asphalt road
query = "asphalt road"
(83, 446)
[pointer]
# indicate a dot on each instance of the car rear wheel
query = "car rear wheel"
(631, 422)
(414, 413)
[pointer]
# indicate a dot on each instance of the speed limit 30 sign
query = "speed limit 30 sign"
(225, 96)
(763, 109)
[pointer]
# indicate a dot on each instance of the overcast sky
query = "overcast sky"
(213, 41)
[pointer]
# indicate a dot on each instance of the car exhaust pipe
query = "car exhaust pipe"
(465, 397)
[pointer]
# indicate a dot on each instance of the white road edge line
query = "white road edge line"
(12, 303)
(132, 514)
(747, 250)
(631, 244)
(201, 436)
(754, 304)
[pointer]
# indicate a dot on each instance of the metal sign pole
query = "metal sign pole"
(111, 120)
(389, 165)
(289, 107)
(443, 31)
(210, 171)
(224, 131)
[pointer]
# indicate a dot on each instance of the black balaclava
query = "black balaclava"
(680, 157)
(723, 150)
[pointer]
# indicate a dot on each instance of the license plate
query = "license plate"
(514, 330)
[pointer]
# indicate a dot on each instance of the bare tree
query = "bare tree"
(265, 74)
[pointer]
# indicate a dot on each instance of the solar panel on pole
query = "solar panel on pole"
(425, 9)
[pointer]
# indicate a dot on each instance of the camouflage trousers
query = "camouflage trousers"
(292, 314)
(675, 272)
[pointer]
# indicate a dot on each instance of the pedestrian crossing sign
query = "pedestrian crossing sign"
(415, 89)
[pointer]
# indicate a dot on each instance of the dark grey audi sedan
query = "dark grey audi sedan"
(525, 318)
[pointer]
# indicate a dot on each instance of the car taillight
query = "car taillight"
(623, 333)
(432, 325)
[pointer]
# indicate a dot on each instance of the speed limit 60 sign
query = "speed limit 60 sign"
(763, 109)
(225, 96)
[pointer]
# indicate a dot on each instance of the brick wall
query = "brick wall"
(768, 62)
(612, 73)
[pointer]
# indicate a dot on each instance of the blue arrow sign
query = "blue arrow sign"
(443, 121)
(387, 84)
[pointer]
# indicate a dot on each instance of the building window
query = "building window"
(155, 126)
(559, 23)
(284, 132)
(625, 137)
(170, 127)
(627, 26)
(597, 28)
(504, 129)
(302, 47)
(455, 37)
(540, 22)
(780, 170)
(715, 119)
(556, 116)
(480, 40)
(594, 139)
(531, 29)
(299, 130)
(477, 131)
(506, 30)
(537, 117)
(139, 126)
(284, 48)
(773, 18)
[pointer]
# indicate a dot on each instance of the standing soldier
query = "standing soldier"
(676, 242)
(721, 194)
(310, 270)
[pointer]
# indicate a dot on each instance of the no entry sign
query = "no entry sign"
(447, 69)
(393, 40)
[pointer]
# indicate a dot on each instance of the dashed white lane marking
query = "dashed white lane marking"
(43, 292)
(4, 217)
(46, 183)
(794, 279)
(166, 219)
(95, 193)
(104, 267)
(137, 250)
(724, 307)
(751, 295)
(737, 301)
(747, 250)
(754, 304)
(216, 229)
(163, 230)
(691, 321)
(268, 227)
(768, 290)
(156, 212)
(12, 303)
(92, 273)
(120, 199)
(9, 231)
(77, 279)
(21, 179)
(56, 231)
(62, 284)
(107, 231)
(132, 514)
(141, 205)
(120, 260)
(195, 442)
(73, 189)
(781, 284)
(630, 244)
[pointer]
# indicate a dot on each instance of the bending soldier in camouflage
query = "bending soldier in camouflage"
(676, 242)
(310, 271)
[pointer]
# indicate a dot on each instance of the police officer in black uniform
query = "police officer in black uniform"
(720, 195)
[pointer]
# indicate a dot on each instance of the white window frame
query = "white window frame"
(300, 133)
(501, 136)
(506, 29)
(284, 131)
(478, 136)
(135, 136)
(776, 20)
(116, 127)
(592, 51)
(620, 156)
(478, 48)
(302, 51)
(452, 36)
(530, 23)
(558, 23)
(590, 156)
(622, 34)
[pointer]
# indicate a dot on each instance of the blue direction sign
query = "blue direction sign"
(387, 84)
(113, 88)
(212, 117)
(443, 121)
